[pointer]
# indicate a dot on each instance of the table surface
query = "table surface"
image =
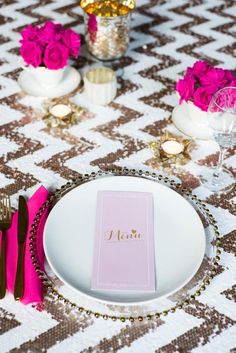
(166, 37)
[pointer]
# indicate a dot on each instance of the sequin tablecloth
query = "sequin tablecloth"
(166, 37)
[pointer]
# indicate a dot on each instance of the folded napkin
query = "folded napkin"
(33, 290)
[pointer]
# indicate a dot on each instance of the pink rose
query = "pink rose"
(214, 77)
(51, 45)
(30, 33)
(72, 41)
(185, 87)
(46, 33)
(229, 76)
(92, 27)
(55, 56)
(227, 99)
(200, 68)
(59, 32)
(58, 27)
(92, 23)
(31, 53)
(202, 97)
(202, 81)
(233, 99)
(232, 83)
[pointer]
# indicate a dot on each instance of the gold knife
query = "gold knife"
(22, 232)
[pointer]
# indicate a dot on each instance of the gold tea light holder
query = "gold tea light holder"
(170, 150)
(61, 113)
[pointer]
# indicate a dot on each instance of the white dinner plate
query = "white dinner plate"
(70, 230)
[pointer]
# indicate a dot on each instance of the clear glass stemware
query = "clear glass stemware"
(222, 122)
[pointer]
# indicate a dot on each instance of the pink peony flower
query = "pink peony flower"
(202, 97)
(185, 87)
(30, 33)
(55, 56)
(72, 41)
(200, 68)
(31, 53)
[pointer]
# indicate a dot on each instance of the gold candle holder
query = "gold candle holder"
(61, 113)
(170, 150)
(107, 26)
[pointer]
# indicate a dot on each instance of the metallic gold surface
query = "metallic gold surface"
(107, 25)
(163, 159)
(5, 223)
(65, 122)
(107, 8)
(23, 220)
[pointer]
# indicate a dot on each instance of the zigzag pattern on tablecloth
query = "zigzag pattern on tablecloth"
(167, 36)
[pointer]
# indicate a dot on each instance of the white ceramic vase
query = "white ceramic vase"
(43, 76)
(191, 120)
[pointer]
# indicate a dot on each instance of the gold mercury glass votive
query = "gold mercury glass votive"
(107, 26)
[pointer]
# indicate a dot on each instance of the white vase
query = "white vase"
(43, 76)
(191, 120)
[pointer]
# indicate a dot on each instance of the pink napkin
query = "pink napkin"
(33, 290)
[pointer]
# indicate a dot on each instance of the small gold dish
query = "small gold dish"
(61, 113)
(170, 150)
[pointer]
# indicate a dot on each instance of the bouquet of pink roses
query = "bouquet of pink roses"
(200, 83)
(49, 45)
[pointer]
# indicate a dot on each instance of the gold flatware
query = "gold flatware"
(5, 223)
(21, 235)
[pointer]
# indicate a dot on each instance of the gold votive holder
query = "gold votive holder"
(170, 150)
(61, 113)
(107, 27)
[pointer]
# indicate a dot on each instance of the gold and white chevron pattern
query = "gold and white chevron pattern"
(166, 37)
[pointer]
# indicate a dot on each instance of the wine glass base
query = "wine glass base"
(218, 183)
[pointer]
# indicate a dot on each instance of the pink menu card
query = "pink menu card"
(123, 256)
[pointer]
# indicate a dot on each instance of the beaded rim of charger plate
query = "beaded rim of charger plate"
(48, 284)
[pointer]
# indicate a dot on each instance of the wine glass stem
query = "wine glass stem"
(220, 162)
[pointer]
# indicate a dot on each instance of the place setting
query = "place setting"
(119, 241)
(130, 271)
(122, 205)
(126, 244)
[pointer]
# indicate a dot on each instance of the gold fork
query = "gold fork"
(5, 223)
